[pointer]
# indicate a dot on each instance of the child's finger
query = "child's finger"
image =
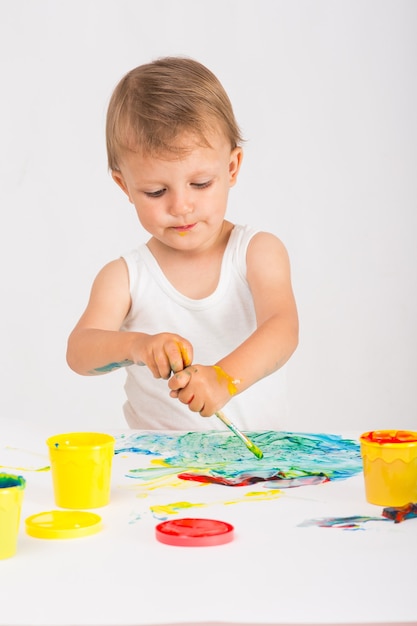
(185, 354)
(179, 380)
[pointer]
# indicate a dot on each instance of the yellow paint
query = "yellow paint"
(185, 356)
(267, 494)
(26, 469)
(171, 481)
(223, 377)
(160, 463)
(174, 507)
(255, 496)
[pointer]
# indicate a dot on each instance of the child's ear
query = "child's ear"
(235, 162)
(118, 178)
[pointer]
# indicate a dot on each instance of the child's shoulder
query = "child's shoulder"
(255, 237)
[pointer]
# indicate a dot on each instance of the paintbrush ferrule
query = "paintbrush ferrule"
(248, 443)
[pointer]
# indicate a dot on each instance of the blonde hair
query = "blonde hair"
(154, 104)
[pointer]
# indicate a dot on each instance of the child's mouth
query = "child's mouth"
(185, 228)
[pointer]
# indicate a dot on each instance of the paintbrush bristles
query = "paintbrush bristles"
(248, 443)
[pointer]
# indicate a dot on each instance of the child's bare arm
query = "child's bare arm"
(97, 345)
(266, 350)
(276, 336)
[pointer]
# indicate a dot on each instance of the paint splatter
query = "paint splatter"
(354, 522)
(290, 459)
(21, 460)
(243, 480)
(164, 511)
(400, 513)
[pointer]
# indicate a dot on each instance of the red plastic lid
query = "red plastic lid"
(189, 531)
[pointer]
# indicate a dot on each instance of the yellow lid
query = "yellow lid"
(63, 524)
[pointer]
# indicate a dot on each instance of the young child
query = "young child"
(203, 314)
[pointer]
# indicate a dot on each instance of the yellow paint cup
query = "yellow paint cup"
(11, 498)
(390, 466)
(81, 466)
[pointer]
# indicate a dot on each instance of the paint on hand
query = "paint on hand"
(185, 356)
(112, 366)
(181, 364)
(223, 377)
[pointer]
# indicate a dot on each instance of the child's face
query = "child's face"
(182, 201)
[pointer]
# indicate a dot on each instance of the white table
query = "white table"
(276, 571)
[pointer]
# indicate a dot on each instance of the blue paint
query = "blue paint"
(110, 367)
(354, 522)
(8, 481)
(220, 455)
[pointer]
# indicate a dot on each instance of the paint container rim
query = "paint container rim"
(194, 532)
(389, 437)
(11, 481)
(80, 440)
(63, 524)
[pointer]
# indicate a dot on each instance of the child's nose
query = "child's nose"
(180, 204)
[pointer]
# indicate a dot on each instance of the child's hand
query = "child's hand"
(164, 353)
(204, 388)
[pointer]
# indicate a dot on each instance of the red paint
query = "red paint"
(390, 436)
(242, 480)
(399, 514)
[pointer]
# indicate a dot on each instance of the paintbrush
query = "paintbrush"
(248, 443)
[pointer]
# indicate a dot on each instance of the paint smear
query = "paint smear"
(21, 460)
(354, 522)
(290, 459)
(164, 511)
(223, 377)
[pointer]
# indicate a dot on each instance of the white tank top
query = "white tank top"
(214, 325)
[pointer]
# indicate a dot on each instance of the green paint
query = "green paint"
(248, 443)
(286, 455)
(7, 481)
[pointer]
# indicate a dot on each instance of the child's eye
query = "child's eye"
(202, 185)
(155, 194)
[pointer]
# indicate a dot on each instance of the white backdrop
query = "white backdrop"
(325, 92)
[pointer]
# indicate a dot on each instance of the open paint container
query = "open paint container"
(390, 466)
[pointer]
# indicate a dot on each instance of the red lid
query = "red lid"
(189, 531)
